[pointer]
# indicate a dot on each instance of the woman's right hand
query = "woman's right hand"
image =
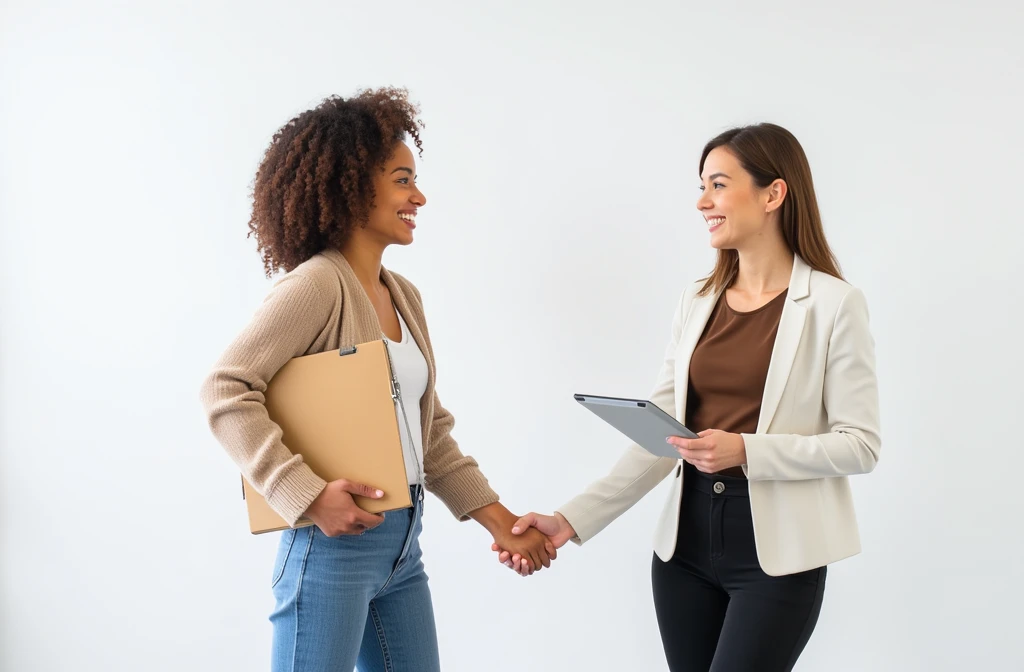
(556, 527)
(336, 513)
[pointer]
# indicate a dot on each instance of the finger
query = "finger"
(369, 520)
(693, 457)
(690, 444)
(678, 441)
(550, 548)
(505, 558)
(524, 523)
(360, 489)
(706, 432)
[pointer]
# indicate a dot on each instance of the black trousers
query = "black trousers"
(717, 609)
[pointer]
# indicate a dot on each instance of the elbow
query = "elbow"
(207, 396)
(869, 450)
(875, 451)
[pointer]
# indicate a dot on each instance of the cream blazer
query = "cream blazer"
(818, 425)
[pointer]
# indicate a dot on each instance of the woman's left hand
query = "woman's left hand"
(714, 451)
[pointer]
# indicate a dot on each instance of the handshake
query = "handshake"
(532, 543)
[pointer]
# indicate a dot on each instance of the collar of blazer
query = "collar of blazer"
(787, 341)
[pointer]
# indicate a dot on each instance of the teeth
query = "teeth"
(408, 218)
(715, 221)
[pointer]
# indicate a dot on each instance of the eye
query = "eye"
(403, 180)
(701, 187)
(719, 184)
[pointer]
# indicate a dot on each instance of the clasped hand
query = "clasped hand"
(555, 529)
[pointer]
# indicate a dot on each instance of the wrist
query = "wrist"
(566, 530)
(495, 518)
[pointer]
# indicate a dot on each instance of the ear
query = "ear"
(777, 191)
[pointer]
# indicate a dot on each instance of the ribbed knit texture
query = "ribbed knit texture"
(321, 306)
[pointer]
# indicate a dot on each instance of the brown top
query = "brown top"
(729, 367)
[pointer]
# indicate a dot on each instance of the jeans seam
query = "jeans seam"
(378, 625)
(284, 562)
(298, 594)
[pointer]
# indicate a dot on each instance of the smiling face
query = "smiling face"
(397, 199)
(737, 211)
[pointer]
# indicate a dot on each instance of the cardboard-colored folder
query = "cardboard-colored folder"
(339, 410)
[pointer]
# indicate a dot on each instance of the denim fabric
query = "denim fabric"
(354, 600)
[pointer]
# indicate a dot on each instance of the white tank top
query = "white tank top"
(411, 369)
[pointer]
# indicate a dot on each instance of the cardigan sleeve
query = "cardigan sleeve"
(232, 395)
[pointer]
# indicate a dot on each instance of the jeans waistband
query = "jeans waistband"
(716, 485)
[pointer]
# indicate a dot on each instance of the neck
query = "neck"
(765, 267)
(365, 256)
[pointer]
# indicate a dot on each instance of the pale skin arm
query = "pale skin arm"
(713, 451)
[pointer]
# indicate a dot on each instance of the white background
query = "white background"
(561, 170)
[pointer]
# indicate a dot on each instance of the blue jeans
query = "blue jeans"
(355, 599)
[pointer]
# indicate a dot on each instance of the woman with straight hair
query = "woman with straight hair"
(772, 362)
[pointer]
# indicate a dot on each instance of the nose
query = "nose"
(418, 198)
(704, 202)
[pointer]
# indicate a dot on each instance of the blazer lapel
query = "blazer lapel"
(787, 341)
(693, 326)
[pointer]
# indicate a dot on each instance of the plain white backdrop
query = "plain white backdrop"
(560, 166)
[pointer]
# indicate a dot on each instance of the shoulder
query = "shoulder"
(836, 301)
(317, 276)
(830, 293)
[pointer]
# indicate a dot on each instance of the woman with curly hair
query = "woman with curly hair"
(335, 188)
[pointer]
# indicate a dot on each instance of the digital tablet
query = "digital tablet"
(640, 420)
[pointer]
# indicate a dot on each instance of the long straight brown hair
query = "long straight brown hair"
(769, 152)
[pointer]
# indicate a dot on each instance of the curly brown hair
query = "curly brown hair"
(315, 182)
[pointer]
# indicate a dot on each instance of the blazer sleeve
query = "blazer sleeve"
(637, 472)
(850, 398)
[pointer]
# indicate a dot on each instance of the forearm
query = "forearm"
(635, 474)
(786, 457)
(455, 478)
(495, 518)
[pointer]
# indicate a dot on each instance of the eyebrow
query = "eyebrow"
(718, 175)
(402, 168)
